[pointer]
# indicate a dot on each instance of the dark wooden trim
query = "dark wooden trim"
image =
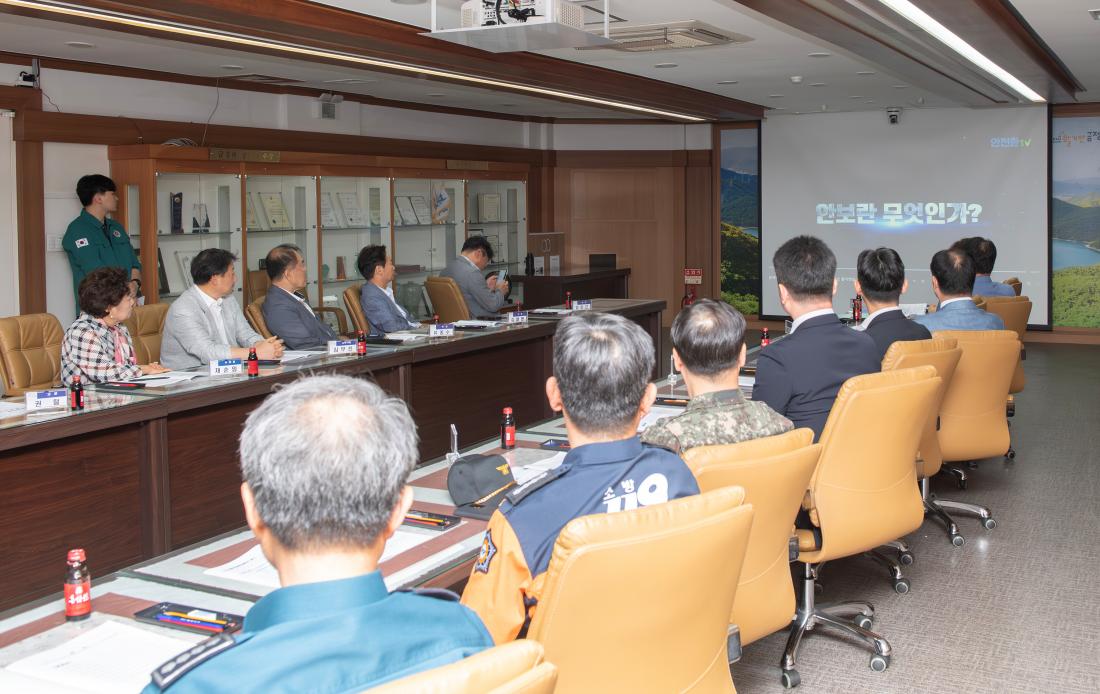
(1085, 109)
(1021, 33)
(31, 224)
(330, 28)
(156, 526)
(612, 158)
(228, 82)
(20, 98)
(50, 126)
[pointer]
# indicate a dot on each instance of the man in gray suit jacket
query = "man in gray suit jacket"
(383, 312)
(484, 297)
(287, 314)
(952, 282)
(206, 323)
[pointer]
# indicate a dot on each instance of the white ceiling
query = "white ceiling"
(1072, 33)
(762, 68)
(48, 38)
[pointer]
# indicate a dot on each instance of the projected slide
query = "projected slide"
(858, 182)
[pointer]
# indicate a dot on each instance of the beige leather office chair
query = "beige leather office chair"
(146, 326)
(1016, 284)
(972, 417)
(640, 600)
(863, 494)
(511, 668)
(355, 308)
(447, 300)
(943, 354)
(258, 284)
(1015, 311)
(30, 352)
(254, 312)
(775, 473)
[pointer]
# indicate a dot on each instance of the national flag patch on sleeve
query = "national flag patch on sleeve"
(81, 243)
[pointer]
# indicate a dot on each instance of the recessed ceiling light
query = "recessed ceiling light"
(817, 84)
(796, 79)
(857, 96)
(666, 65)
(869, 101)
(231, 67)
(80, 44)
(727, 82)
(819, 55)
(775, 96)
(865, 72)
(938, 31)
(901, 86)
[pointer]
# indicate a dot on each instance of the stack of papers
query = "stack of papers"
(12, 409)
(406, 336)
(292, 355)
(476, 323)
(169, 378)
(524, 473)
(914, 309)
(553, 311)
(113, 657)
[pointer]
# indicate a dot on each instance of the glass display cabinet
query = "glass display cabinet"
(355, 213)
(429, 218)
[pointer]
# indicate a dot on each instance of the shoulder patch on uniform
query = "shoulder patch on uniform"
(488, 551)
(437, 593)
(522, 491)
(117, 235)
(170, 672)
(81, 243)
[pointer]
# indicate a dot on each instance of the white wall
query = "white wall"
(9, 275)
(62, 165)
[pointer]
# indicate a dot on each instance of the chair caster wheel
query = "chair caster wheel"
(957, 540)
(863, 621)
(879, 663)
(989, 523)
(901, 586)
(790, 679)
(905, 558)
(972, 464)
(1010, 454)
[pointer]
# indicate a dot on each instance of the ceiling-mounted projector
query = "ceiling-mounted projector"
(488, 13)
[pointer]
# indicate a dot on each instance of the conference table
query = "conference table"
(135, 476)
(227, 573)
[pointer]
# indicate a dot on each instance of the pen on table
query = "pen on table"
(190, 623)
(424, 519)
(181, 615)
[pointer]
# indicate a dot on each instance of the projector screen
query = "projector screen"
(857, 182)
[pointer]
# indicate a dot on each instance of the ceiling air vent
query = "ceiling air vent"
(262, 79)
(667, 37)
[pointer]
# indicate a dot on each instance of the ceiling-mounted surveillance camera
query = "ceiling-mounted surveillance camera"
(894, 114)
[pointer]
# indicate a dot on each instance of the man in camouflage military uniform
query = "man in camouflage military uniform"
(708, 347)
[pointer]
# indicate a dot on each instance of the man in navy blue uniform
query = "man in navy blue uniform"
(325, 462)
(602, 365)
(800, 375)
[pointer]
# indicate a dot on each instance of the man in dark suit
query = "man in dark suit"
(800, 375)
(285, 310)
(382, 311)
(881, 282)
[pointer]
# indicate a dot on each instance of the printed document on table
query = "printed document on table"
(293, 355)
(525, 473)
(169, 378)
(656, 414)
(12, 409)
(476, 323)
(406, 336)
(113, 657)
(253, 567)
(746, 381)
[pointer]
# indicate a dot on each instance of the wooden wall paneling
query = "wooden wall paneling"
(203, 471)
(154, 497)
(31, 220)
(101, 484)
(700, 235)
(1085, 109)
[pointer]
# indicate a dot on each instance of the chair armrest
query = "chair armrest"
(733, 644)
(341, 320)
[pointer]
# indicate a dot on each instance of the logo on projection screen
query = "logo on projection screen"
(1009, 142)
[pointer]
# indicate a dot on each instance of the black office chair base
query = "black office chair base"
(855, 618)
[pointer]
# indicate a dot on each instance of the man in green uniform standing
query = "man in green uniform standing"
(93, 240)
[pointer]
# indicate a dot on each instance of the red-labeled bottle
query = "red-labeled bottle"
(435, 318)
(507, 429)
(76, 394)
(253, 363)
(78, 587)
(360, 344)
(764, 339)
(569, 299)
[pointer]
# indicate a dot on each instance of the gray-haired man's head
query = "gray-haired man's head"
(327, 458)
(602, 364)
(709, 337)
